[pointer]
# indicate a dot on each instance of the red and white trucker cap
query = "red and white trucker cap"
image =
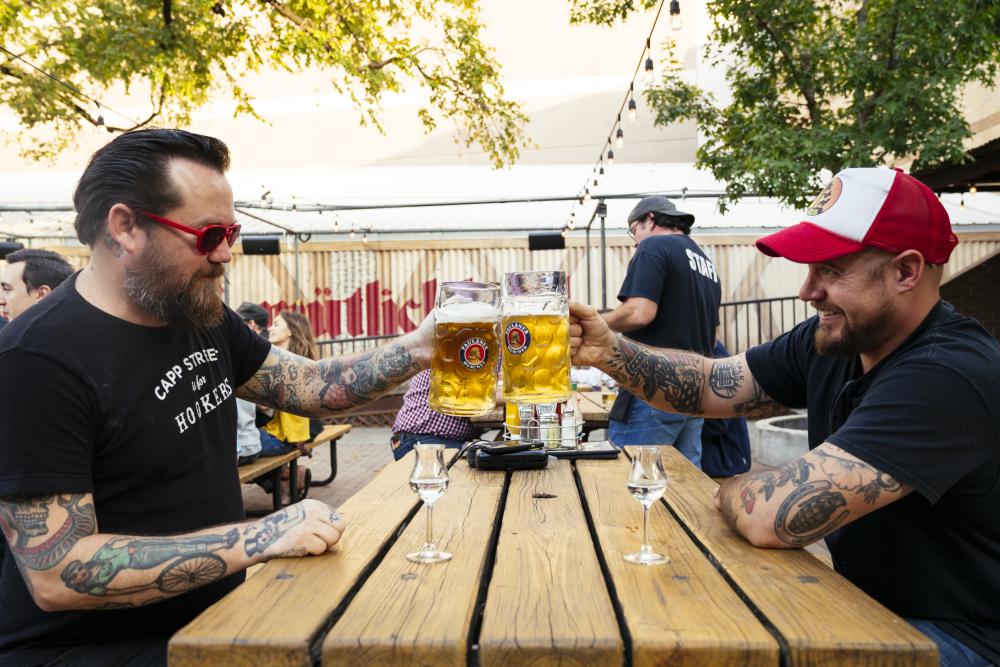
(870, 207)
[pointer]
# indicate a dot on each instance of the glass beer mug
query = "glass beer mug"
(466, 332)
(535, 330)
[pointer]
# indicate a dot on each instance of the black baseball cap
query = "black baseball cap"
(253, 312)
(659, 204)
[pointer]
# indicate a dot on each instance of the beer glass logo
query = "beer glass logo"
(473, 353)
(517, 337)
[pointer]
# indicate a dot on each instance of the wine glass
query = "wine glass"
(646, 482)
(429, 480)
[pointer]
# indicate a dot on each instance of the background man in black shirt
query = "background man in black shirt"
(903, 475)
(670, 298)
(120, 502)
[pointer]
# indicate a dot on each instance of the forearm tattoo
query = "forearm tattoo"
(819, 500)
(295, 384)
(679, 376)
(759, 405)
(188, 563)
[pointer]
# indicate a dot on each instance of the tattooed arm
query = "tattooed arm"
(806, 499)
(671, 380)
(320, 388)
(67, 564)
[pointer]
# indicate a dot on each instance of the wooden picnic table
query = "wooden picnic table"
(538, 578)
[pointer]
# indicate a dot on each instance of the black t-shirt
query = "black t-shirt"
(929, 415)
(144, 418)
(672, 271)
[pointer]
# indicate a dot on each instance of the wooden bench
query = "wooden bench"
(273, 464)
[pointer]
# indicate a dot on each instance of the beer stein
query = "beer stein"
(535, 330)
(464, 362)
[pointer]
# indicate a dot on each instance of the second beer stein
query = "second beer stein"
(535, 330)
(464, 365)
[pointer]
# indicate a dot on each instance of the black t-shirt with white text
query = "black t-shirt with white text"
(143, 418)
(929, 415)
(672, 271)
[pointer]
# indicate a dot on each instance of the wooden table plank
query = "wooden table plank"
(276, 616)
(414, 614)
(547, 602)
(592, 408)
(822, 617)
(683, 612)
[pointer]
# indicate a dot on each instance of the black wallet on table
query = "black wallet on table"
(517, 457)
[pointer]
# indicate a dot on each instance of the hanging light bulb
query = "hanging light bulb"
(100, 116)
(961, 202)
(619, 138)
(563, 233)
(611, 158)
(600, 171)
(364, 239)
(631, 110)
(352, 233)
(676, 23)
(973, 189)
(595, 183)
(649, 66)
(586, 194)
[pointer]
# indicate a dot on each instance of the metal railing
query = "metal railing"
(747, 323)
(339, 346)
(743, 325)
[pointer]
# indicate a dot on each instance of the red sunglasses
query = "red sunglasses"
(208, 238)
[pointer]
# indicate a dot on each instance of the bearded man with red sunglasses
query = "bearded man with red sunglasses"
(118, 414)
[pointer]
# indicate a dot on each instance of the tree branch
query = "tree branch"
(807, 92)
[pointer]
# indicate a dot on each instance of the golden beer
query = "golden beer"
(463, 367)
(536, 358)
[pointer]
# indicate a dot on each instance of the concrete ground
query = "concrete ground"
(360, 455)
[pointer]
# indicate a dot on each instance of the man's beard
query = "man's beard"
(857, 338)
(155, 287)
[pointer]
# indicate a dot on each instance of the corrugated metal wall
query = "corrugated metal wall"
(384, 287)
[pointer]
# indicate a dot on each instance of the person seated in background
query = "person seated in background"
(285, 431)
(725, 443)
(247, 433)
(254, 316)
(29, 276)
(417, 423)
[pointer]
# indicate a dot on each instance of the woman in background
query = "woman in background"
(283, 431)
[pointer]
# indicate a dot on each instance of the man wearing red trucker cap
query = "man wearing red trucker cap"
(903, 394)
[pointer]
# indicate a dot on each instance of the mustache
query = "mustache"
(214, 271)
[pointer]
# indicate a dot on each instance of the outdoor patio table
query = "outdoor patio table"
(538, 578)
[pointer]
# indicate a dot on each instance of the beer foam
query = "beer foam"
(467, 311)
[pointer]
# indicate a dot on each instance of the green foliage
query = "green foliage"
(181, 53)
(827, 84)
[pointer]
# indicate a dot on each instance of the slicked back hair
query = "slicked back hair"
(41, 267)
(133, 169)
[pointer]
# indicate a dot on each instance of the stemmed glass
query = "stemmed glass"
(646, 482)
(429, 480)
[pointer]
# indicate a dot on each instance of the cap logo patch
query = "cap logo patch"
(827, 198)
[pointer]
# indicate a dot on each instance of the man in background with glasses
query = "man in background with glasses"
(670, 298)
(118, 417)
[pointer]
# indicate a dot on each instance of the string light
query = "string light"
(676, 22)
(628, 103)
(973, 189)
(352, 233)
(364, 239)
(649, 66)
(100, 118)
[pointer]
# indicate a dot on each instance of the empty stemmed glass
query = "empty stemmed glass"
(646, 482)
(429, 480)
